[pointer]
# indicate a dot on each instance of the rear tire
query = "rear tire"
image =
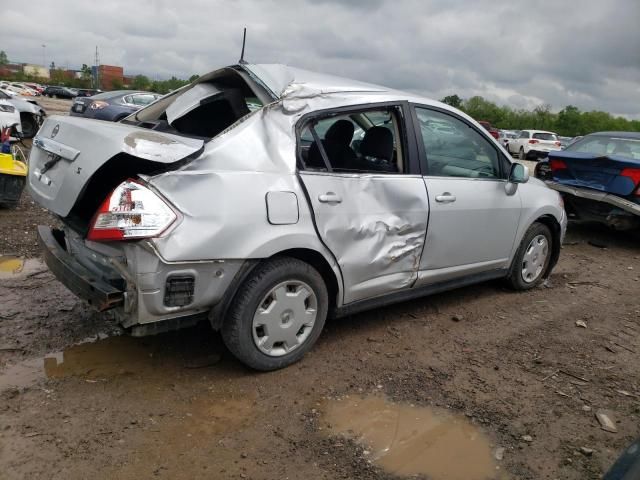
(531, 262)
(276, 315)
(521, 154)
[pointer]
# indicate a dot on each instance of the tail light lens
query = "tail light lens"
(131, 212)
(533, 140)
(557, 165)
(98, 105)
(634, 175)
(558, 144)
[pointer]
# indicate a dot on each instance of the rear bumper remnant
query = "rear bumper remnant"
(77, 278)
(597, 196)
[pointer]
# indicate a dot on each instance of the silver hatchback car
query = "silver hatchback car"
(266, 198)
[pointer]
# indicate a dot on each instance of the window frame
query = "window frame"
(504, 163)
(408, 147)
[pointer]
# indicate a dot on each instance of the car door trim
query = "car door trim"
(418, 292)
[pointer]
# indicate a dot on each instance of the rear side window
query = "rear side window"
(356, 142)
(524, 135)
(545, 136)
(454, 149)
(623, 147)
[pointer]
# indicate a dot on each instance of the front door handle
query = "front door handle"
(446, 197)
(329, 197)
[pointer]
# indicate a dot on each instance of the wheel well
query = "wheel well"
(554, 226)
(317, 261)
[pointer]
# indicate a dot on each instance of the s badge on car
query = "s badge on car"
(55, 131)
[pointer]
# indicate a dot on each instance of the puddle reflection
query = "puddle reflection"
(408, 440)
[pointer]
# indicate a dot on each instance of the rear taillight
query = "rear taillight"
(98, 105)
(132, 211)
(533, 140)
(558, 144)
(557, 165)
(634, 175)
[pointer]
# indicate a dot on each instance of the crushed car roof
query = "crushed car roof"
(280, 80)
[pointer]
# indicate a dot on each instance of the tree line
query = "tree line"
(569, 122)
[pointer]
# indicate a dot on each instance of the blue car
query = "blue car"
(112, 106)
(599, 178)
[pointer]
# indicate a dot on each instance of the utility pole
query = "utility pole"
(96, 77)
(44, 55)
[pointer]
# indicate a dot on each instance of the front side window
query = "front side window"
(455, 149)
(357, 142)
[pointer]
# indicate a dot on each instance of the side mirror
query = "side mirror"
(518, 173)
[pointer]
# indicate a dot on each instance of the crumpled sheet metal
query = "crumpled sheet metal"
(376, 233)
(190, 100)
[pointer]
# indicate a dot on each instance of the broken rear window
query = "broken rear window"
(203, 109)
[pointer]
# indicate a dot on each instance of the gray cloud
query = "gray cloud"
(522, 53)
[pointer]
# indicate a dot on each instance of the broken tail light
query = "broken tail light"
(634, 175)
(131, 212)
(557, 165)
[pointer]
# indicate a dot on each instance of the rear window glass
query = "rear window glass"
(545, 136)
(622, 147)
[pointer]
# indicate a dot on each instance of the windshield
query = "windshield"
(599, 145)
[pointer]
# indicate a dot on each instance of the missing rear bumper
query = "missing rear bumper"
(77, 278)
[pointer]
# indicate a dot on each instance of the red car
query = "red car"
(492, 130)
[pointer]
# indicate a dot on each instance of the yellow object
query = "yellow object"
(10, 166)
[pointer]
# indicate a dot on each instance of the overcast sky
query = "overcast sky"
(520, 53)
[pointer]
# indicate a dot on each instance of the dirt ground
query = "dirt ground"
(78, 400)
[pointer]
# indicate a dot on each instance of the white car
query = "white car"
(9, 116)
(534, 144)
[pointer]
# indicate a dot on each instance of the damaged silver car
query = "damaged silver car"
(266, 198)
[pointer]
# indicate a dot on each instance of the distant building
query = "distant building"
(107, 75)
(10, 69)
(33, 70)
(127, 80)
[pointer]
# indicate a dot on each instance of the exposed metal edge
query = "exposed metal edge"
(152, 248)
(412, 293)
(597, 196)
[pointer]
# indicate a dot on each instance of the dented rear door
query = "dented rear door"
(374, 224)
(68, 150)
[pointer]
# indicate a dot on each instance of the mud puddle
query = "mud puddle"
(409, 440)
(15, 267)
(104, 358)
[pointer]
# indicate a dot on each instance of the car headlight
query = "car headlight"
(7, 108)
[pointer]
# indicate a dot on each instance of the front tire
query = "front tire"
(276, 315)
(531, 263)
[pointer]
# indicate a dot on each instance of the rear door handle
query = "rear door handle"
(329, 197)
(446, 197)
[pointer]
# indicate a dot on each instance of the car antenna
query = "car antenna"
(244, 39)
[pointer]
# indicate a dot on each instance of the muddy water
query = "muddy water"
(408, 440)
(17, 267)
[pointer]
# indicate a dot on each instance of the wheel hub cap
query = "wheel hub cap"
(284, 318)
(535, 259)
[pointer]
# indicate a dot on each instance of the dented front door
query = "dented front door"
(375, 225)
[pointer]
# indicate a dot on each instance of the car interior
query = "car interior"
(228, 98)
(364, 141)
